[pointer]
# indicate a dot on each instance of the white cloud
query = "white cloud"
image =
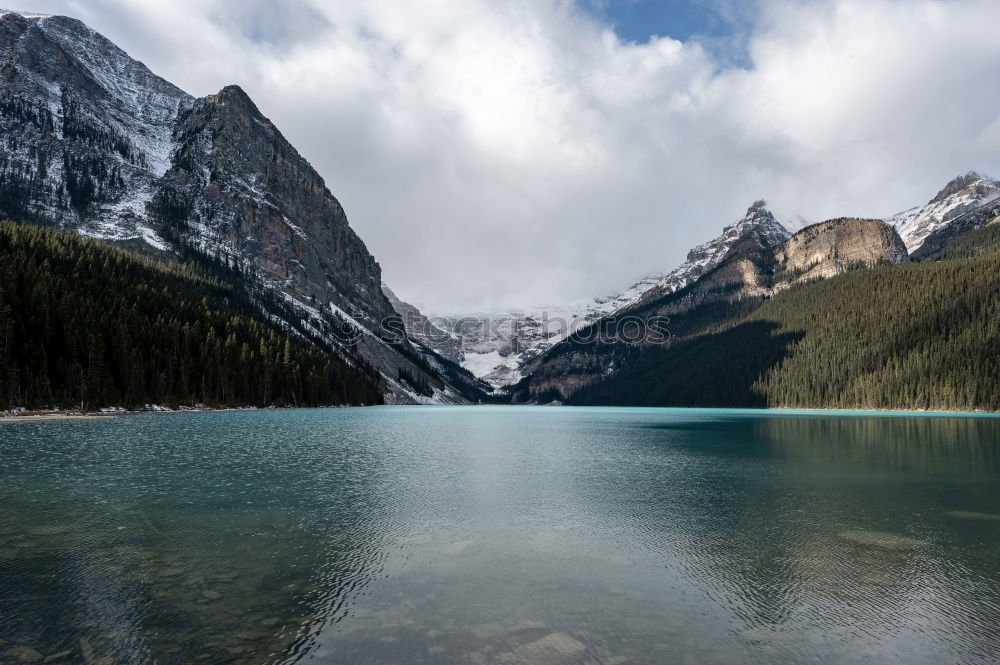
(519, 153)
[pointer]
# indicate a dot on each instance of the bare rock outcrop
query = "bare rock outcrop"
(829, 248)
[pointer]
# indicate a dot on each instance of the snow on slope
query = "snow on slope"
(958, 196)
(496, 346)
(97, 144)
(758, 223)
(150, 103)
(86, 82)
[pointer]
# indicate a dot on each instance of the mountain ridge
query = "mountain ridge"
(497, 346)
(959, 196)
(751, 272)
(100, 145)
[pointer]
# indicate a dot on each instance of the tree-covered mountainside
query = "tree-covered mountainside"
(912, 336)
(981, 241)
(94, 142)
(750, 273)
(85, 324)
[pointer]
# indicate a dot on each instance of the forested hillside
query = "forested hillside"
(85, 324)
(916, 336)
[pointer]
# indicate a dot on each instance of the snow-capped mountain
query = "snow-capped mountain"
(757, 225)
(96, 143)
(961, 195)
(496, 346)
(750, 271)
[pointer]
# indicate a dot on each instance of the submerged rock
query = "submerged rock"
(554, 649)
(48, 530)
(21, 654)
(526, 625)
(487, 631)
(969, 515)
(458, 548)
(87, 651)
(882, 539)
(211, 595)
(169, 572)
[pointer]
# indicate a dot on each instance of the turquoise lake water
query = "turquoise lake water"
(542, 536)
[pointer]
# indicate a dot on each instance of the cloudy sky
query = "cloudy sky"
(526, 152)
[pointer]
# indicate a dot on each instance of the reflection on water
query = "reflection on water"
(893, 443)
(501, 535)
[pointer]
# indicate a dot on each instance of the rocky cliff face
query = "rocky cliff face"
(98, 144)
(236, 186)
(829, 248)
(89, 130)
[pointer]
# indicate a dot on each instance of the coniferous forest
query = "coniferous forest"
(913, 336)
(86, 325)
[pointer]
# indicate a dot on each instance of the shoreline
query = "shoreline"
(61, 416)
(67, 416)
(56, 417)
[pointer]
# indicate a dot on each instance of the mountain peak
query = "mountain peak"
(161, 167)
(959, 183)
(234, 95)
(759, 217)
(233, 91)
(29, 15)
(960, 196)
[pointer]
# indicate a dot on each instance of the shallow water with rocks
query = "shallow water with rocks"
(507, 535)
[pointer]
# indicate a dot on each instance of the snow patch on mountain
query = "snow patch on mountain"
(959, 196)
(758, 222)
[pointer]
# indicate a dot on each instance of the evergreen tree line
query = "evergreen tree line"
(87, 325)
(976, 243)
(915, 336)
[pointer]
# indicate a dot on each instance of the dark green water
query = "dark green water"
(501, 535)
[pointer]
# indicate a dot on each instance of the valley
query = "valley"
(101, 147)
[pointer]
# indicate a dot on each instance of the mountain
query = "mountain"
(425, 331)
(957, 227)
(440, 351)
(979, 241)
(497, 346)
(893, 336)
(757, 227)
(83, 324)
(829, 248)
(959, 197)
(751, 272)
(99, 145)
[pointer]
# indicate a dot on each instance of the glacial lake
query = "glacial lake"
(534, 536)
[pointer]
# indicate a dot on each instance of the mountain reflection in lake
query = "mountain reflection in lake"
(501, 535)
